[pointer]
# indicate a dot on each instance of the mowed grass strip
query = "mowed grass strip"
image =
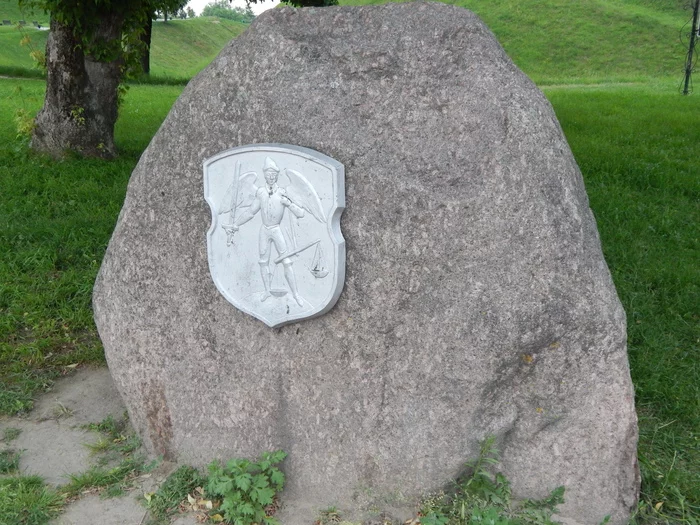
(56, 218)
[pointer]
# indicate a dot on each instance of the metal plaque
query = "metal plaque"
(275, 247)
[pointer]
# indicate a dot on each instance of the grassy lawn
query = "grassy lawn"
(55, 222)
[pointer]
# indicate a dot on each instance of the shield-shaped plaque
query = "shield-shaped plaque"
(275, 247)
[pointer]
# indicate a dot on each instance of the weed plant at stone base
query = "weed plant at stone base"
(247, 489)
(481, 497)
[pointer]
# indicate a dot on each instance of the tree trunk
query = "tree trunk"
(80, 107)
(146, 39)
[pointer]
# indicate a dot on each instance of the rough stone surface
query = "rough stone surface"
(477, 300)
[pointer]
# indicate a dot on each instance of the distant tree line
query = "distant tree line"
(223, 9)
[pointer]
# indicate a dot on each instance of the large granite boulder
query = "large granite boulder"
(477, 301)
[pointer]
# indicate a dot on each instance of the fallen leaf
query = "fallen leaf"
(527, 358)
(74, 365)
(191, 500)
(217, 518)
(659, 505)
(148, 496)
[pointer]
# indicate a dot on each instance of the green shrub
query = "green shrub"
(247, 490)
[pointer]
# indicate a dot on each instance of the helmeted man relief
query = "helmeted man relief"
(272, 201)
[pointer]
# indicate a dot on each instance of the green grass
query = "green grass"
(55, 221)
(16, 44)
(10, 10)
(25, 500)
(112, 481)
(28, 500)
(182, 48)
(118, 461)
(116, 442)
(9, 461)
(164, 502)
(10, 434)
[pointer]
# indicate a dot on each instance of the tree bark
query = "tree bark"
(146, 39)
(80, 106)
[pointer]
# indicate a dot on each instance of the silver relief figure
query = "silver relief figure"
(295, 197)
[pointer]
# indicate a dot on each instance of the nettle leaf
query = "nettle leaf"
(244, 481)
(236, 465)
(229, 508)
(247, 488)
(260, 481)
(222, 486)
(265, 496)
(215, 468)
(246, 509)
(277, 478)
(278, 456)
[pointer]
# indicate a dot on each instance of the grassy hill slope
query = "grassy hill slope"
(180, 48)
(586, 40)
(9, 10)
(14, 56)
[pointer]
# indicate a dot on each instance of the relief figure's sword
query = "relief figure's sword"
(234, 203)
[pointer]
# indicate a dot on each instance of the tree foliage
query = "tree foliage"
(223, 9)
(299, 3)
